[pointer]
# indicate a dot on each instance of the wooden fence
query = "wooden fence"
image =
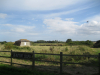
(31, 56)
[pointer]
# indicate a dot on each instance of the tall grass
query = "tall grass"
(70, 50)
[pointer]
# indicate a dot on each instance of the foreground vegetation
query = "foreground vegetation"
(10, 70)
(66, 49)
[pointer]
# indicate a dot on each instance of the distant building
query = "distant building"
(22, 42)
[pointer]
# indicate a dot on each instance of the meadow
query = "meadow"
(69, 69)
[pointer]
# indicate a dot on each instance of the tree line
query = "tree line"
(43, 41)
(68, 42)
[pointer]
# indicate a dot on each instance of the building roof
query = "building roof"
(24, 40)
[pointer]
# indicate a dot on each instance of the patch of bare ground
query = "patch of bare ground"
(67, 70)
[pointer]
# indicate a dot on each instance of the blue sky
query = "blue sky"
(49, 20)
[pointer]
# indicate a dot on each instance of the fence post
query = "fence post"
(99, 64)
(33, 61)
(11, 57)
(61, 63)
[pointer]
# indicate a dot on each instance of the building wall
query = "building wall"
(25, 44)
(17, 43)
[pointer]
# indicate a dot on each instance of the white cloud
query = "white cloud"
(69, 19)
(93, 18)
(58, 25)
(3, 15)
(18, 29)
(37, 4)
(93, 27)
(61, 26)
(64, 13)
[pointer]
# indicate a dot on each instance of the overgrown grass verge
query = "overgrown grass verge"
(11, 70)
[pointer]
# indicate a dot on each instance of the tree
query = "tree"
(97, 44)
(68, 40)
(89, 42)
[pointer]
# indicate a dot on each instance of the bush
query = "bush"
(16, 47)
(8, 45)
(81, 48)
(4, 42)
(32, 43)
(25, 48)
(89, 43)
(71, 43)
(86, 53)
(97, 44)
(51, 48)
(66, 49)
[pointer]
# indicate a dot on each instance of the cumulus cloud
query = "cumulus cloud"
(67, 26)
(61, 26)
(37, 4)
(3, 15)
(93, 27)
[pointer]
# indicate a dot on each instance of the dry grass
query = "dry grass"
(56, 50)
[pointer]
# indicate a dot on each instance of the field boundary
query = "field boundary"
(31, 56)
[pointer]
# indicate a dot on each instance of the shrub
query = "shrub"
(4, 42)
(32, 43)
(86, 53)
(97, 44)
(89, 43)
(16, 47)
(40, 57)
(72, 53)
(51, 48)
(66, 49)
(81, 48)
(8, 45)
(71, 43)
(26, 48)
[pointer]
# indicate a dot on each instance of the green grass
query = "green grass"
(10, 70)
(74, 50)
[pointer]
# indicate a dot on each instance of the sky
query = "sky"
(49, 20)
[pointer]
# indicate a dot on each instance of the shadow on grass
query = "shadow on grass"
(44, 68)
(9, 70)
(24, 70)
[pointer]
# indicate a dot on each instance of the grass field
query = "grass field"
(53, 67)
(9, 70)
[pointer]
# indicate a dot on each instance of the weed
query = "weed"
(81, 48)
(66, 49)
(51, 48)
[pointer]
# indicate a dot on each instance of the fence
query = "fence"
(28, 55)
